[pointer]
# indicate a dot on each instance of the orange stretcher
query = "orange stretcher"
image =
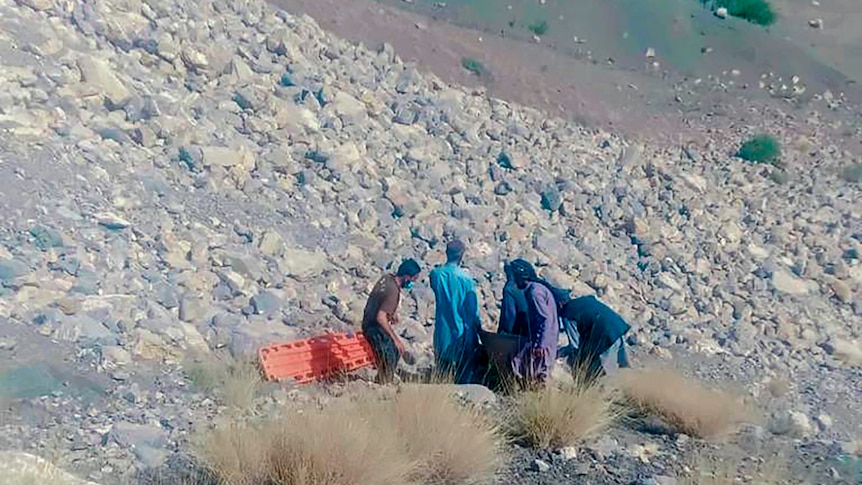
(317, 358)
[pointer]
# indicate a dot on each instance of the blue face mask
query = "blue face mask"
(408, 285)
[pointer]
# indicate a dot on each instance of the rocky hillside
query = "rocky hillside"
(181, 176)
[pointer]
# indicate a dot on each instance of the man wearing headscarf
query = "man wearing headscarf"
(601, 331)
(456, 322)
(513, 315)
(535, 359)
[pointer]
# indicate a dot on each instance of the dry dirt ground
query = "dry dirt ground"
(683, 97)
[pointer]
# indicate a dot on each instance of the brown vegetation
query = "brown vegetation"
(564, 414)
(683, 404)
(421, 436)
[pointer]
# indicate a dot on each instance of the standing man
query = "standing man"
(380, 316)
(513, 315)
(456, 321)
(535, 360)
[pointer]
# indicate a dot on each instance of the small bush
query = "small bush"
(758, 12)
(449, 443)
(852, 173)
(760, 149)
(565, 414)
(419, 436)
(539, 28)
(474, 66)
(683, 404)
(235, 381)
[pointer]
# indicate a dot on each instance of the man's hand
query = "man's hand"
(400, 346)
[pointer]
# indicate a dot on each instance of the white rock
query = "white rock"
(815, 23)
(112, 221)
(824, 421)
(569, 453)
(100, 76)
(784, 282)
(721, 13)
(301, 264)
(650, 53)
(849, 352)
(540, 466)
(227, 157)
(792, 423)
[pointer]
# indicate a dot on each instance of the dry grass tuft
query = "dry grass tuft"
(419, 436)
(564, 414)
(683, 404)
(334, 446)
(452, 444)
(236, 381)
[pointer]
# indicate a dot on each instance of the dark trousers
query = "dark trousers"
(386, 354)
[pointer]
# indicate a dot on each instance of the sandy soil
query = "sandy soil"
(527, 74)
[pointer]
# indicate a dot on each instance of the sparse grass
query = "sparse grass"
(474, 66)
(235, 381)
(758, 12)
(852, 173)
(540, 27)
(727, 470)
(564, 414)
(760, 149)
(683, 404)
(420, 436)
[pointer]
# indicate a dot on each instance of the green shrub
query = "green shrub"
(760, 149)
(759, 12)
(474, 66)
(539, 27)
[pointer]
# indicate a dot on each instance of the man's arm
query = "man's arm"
(383, 321)
(386, 312)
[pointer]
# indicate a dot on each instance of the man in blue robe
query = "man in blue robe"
(456, 322)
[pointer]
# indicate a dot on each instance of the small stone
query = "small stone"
(271, 244)
(266, 303)
(792, 423)
(784, 282)
(842, 291)
(815, 23)
(848, 352)
(46, 237)
(302, 264)
(98, 74)
(476, 394)
(650, 53)
(7, 344)
(824, 421)
(551, 199)
(12, 269)
(192, 309)
(540, 466)
(112, 221)
(120, 375)
(568, 453)
(721, 13)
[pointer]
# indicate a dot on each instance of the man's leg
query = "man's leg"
(385, 354)
(610, 358)
(622, 356)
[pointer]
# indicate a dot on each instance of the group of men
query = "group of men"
(533, 312)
